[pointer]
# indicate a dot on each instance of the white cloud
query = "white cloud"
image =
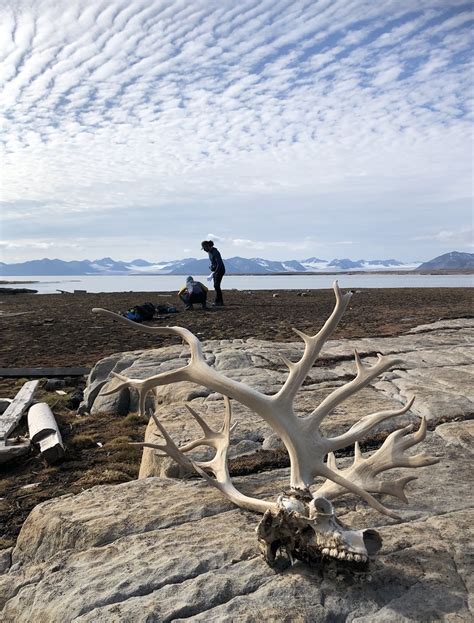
(249, 246)
(463, 237)
(266, 108)
(37, 244)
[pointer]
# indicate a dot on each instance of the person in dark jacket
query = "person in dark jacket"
(217, 269)
(193, 292)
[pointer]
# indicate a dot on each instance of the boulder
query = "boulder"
(167, 549)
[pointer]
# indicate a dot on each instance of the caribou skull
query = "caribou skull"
(301, 524)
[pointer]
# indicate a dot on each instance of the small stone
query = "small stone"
(273, 442)
(15, 567)
(5, 559)
(52, 385)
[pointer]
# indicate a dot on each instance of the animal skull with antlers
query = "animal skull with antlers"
(301, 524)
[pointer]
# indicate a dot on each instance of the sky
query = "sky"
(282, 129)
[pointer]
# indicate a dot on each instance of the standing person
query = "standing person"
(193, 292)
(217, 269)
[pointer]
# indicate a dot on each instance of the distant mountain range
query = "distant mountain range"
(234, 265)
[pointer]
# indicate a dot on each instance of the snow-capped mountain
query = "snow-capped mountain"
(193, 266)
(347, 264)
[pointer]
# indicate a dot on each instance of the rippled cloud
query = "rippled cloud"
(301, 122)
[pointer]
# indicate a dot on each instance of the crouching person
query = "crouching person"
(193, 292)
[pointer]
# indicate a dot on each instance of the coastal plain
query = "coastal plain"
(61, 330)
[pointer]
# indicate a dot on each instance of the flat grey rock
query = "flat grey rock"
(165, 549)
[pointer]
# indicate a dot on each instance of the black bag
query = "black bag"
(146, 311)
(166, 309)
(140, 313)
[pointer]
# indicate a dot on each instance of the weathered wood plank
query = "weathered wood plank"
(13, 413)
(41, 372)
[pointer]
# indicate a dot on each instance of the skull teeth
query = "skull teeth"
(342, 554)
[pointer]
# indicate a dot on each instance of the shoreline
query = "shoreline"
(467, 271)
(302, 282)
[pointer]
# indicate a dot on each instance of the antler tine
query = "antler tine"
(218, 465)
(365, 374)
(208, 432)
(184, 334)
(390, 455)
(339, 479)
(169, 447)
(177, 453)
(143, 386)
(226, 427)
(313, 344)
(364, 425)
(220, 440)
(211, 437)
(289, 364)
(392, 450)
(205, 428)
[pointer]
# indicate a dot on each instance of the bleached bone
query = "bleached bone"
(219, 440)
(307, 447)
(391, 454)
(310, 532)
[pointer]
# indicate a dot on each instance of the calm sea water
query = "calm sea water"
(168, 283)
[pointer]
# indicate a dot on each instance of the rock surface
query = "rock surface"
(173, 550)
(437, 367)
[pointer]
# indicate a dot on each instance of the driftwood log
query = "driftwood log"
(44, 431)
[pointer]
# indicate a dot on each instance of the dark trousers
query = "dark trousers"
(217, 286)
(189, 299)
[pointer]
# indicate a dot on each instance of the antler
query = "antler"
(391, 454)
(219, 440)
(364, 375)
(306, 446)
(197, 371)
(313, 344)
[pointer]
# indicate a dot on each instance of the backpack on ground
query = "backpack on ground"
(166, 309)
(141, 313)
